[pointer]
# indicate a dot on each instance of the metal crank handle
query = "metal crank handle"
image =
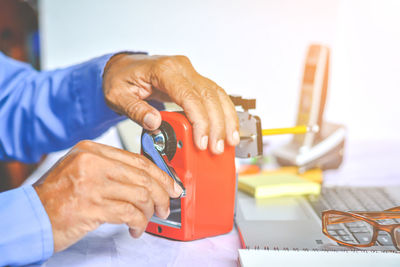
(152, 153)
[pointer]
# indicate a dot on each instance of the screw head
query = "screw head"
(159, 141)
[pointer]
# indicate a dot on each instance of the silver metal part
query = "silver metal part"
(250, 136)
(174, 218)
(313, 128)
(159, 141)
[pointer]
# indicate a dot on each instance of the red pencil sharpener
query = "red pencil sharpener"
(207, 208)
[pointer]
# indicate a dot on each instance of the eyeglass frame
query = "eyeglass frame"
(364, 216)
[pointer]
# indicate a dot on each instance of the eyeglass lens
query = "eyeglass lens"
(396, 234)
(349, 230)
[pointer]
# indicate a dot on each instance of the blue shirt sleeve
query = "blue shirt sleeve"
(25, 229)
(41, 112)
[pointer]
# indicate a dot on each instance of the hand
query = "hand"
(129, 79)
(95, 184)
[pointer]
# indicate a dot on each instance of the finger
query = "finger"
(132, 177)
(231, 118)
(183, 93)
(126, 94)
(137, 161)
(118, 212)
(137, 196)
(151, 191)
(210, 99)
(141, 112)
(128, 176)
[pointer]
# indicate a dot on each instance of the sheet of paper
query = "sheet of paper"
(111, 245)
(261, 258)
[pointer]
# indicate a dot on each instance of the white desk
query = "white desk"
(371, 163)
(111, 245)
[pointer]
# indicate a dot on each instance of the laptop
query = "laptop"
(294, 223)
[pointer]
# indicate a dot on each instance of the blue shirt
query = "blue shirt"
(41, 112)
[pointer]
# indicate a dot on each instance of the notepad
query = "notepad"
(284, 258)
(266, 185)
(313, 175)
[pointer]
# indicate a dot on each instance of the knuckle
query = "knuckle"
(221, 91)
(218, 132)
(201, 125)
(168, 61)
(182, 58)
(145, 180)
(142, 195)
(142, 162)
(128, 209)
(84, 157)
(85, 164)
(128, 213)
(85, 144)
(166, 180)
(165, 200)
(141, 221)
(134, 108)
(189, 94)
(217, 128)
(208, 94)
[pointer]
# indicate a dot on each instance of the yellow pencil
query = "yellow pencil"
(301, 129)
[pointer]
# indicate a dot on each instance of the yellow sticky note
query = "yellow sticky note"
(273, 185)
(313, 175)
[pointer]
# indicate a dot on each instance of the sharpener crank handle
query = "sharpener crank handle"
(155, 156)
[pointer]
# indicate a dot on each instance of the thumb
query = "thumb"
(142, 113)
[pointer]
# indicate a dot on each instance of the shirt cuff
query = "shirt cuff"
(25, 228)
(88, 87)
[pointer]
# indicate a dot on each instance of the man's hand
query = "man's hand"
(129, 79)
(95, 184)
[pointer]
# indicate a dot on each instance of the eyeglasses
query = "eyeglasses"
(362, 229)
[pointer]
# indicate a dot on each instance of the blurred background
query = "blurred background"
(254, 48)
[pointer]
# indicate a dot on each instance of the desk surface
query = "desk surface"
(372, 163)
(111, 245)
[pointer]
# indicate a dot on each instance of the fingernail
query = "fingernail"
(204, 142)
(236, 137)
(178, 189)
(220, 146)
(133, 232)
(149, 121)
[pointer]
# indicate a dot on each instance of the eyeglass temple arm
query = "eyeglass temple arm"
(393, 209)
(380, 215)
(373, 215)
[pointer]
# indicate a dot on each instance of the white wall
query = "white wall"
(250, 47)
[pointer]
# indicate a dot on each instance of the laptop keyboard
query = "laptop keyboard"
(356, 199)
